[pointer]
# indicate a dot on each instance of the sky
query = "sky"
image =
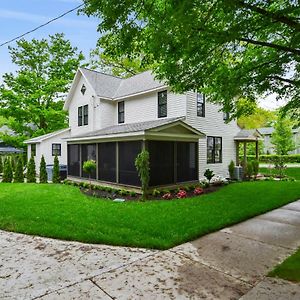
(19, 16)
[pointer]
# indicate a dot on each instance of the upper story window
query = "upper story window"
(56, 149)
(214, 150)
(83, 115)
(226, 116)
(33, 149)
(83, 89)
(162, 104)
(200, 105)
(121, 112)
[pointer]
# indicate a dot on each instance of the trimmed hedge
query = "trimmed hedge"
(269, 158)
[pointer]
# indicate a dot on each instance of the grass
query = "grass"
(63, 212)
(289, 269)
(291, 172)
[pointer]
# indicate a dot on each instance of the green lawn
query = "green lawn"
(61, 211)
(289, 269)
(291, 172)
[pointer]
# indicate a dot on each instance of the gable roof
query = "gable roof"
(41, 138)
(132, 128)
(248, 135)
(115, 88)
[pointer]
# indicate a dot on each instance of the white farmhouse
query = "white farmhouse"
(112, 119)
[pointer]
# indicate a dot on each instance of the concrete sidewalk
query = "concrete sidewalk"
(228, 264)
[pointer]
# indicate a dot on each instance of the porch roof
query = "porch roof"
(171, 129)
(248, 135)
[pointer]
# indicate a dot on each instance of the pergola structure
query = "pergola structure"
(244, 137)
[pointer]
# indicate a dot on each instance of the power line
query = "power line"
(43, 25)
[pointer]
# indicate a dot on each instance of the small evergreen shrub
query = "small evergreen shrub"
(56, 175)
(143, 168)
(209, 174)
(19, 174)
(255, 167)
(13, 164)
(231, 169)
(43, 171)
(89, 167)
(7, 171)
(1, 165)
(31, 173)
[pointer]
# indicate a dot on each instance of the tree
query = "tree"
(56, 174)
(209, 174)
(43, 171)
(142, 165)
(1, 165)
(121, 67)
(282, 137)
(226, 49)
(32, 99)
(31, 173)
(19, 174)
(89, 167)
(7, 171)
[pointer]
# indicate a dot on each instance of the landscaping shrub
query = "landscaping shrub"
(181, 194)
(142, 166)
(13, 164)
(56, 175)
(270, 158)
(231, 169)
(255, 167)
(43, 171)
(155, 193)
(209, 174)
(249, 169)
(31, 173)
(1, 165)
(7, 171)
(167, 196)
(89, 167)
(19, 174)
(198, 191)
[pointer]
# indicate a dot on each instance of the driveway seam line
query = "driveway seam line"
(101, 289)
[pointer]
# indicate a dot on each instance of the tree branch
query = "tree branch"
(290, 81)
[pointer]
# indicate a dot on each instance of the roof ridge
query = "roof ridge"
(99, 72)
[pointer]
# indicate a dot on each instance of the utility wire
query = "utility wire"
(43, 25)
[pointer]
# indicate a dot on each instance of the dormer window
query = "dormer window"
(83, 89)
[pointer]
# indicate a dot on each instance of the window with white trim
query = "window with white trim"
(200, 105)
(56, 149)
(162, 104)
(214, 150)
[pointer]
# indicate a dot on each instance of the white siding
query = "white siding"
(212, 125)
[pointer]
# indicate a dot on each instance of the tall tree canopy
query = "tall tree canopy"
(32, 99)
(227, 49)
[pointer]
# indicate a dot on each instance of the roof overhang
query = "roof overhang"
(41, 138)
(248, 136)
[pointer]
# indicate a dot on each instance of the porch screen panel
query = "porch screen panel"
(74, 160)
(128, 151)
(187, 169)
(88, 152)
(161, 162)
(107, 162)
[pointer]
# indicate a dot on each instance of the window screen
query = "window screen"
(128, 151)
(74, 160)
(88, 152)
(161, 162)
(187, 165)
(121, 112)
(162, 104)
(107, 162)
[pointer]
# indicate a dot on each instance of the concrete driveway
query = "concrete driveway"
(228, 264)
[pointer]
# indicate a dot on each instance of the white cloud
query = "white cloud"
(40, 19)
(270, 102)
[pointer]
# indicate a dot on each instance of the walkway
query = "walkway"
(223, 265)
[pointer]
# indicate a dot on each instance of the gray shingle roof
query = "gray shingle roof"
(248, 134)
(40, 138)
(114, 87)
(127, 128)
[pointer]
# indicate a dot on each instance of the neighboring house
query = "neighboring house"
(49, 145)
(7, 149)
(112, 119)
(266, 133)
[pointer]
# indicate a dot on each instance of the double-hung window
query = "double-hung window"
(162, 104)
(56, 149)
(200, 105)
(121, 112)
(83, 115)
(214, 149)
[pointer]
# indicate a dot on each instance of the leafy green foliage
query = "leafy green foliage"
(56, 175)
(143, 167)
(209, 174)
(43, 171)
(19, 173)
(271, 158)
(31, 172)
(227, 49)
(231, 169)
(32, 99)
(282, 137)
(7, 171)
(63, 212)
(89, 166)
(255, 167)
(1, 164)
